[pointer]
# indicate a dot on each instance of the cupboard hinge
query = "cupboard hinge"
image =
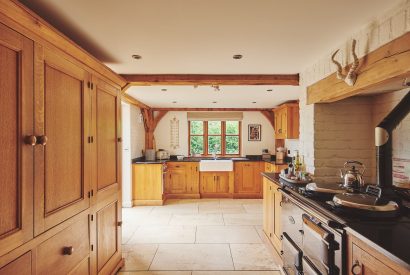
(89, 139)
(92, 247)
(92, 192)
(119, 223)
(91, 217)
(89, 194)
(92, 86)
(89, 85)
(92, 139)
(270, 234)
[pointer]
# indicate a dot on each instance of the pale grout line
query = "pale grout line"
(156, 251)
(230, 251)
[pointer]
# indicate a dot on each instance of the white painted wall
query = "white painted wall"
(137, 132)
(162, 134)
(126, 155)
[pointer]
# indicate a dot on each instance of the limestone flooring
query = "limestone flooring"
(196, 237)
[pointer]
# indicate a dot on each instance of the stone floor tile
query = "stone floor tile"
(227, 234)
(163, 234)
(243, 219)
(252, 257)
(138, 257)
(196, 219)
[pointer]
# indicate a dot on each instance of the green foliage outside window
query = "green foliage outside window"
(215, 137)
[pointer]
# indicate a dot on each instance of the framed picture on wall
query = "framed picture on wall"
(254, 132)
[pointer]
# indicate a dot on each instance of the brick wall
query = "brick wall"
(332, 133)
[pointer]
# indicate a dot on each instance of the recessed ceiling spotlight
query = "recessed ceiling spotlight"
(164, 90)
(214, 102)
(269, 90)
(253, 102)
(237, 56)
(174, 102)
(136, 56)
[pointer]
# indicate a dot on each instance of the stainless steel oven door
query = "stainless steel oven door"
(291, 256)
(318, 245)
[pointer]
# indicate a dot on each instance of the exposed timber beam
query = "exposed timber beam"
(211, 79)
(212, 109)
(270, 115)
(383, 69)
(134, 102)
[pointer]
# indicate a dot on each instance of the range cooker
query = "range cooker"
(313, 235)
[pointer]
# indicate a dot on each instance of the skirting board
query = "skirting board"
(148, 202)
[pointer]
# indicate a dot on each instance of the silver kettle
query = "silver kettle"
(352, 174)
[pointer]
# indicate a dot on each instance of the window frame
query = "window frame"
(223, 136)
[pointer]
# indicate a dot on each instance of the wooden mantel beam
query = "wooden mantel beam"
(382, 70)
(211, 79)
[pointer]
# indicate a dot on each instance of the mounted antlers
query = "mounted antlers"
(351, 76)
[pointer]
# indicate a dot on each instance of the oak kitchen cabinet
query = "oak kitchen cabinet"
(147, 184)
(287, 121)
(216, 184)
(61, 182)
(182, 180)
(272, 199)
(366, 260)
(248, 178)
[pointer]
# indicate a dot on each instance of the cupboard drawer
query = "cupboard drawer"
(65, 250)
(21, 266)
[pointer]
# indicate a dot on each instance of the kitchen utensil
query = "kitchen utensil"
(150, 154)
(351, 175)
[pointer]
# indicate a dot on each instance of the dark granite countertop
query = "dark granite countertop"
(198, 159)
(389, 237)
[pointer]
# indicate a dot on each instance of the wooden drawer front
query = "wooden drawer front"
(83, 268)
(21, 266)
(50, 254)
(177, 165)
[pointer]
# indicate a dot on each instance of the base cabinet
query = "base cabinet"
(147, 184)
(248, 179)
(216, 184)
(272, 199)
(365, 260)
(182, 180)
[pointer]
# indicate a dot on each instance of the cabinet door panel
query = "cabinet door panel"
(108, 246)
(16, 158)
(207, 182)
(106, 123)
(21, 266)
(178, 182)
(62, 114)
(222, 182)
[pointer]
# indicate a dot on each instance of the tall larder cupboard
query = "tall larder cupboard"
(60, 146)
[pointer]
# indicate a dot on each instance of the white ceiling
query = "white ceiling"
(204, 96)
(200, 37)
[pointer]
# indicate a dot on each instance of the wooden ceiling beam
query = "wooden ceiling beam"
(134, 102)
(212, 109)
(211, 79)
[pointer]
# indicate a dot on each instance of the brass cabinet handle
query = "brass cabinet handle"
(355, 266)
(68, 250)
(42, 140)
(119, 139)
(30, 140)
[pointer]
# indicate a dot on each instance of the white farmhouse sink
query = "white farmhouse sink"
(215, 165)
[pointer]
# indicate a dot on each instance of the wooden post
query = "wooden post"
(150, 123)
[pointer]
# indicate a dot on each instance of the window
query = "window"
(220, 137)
